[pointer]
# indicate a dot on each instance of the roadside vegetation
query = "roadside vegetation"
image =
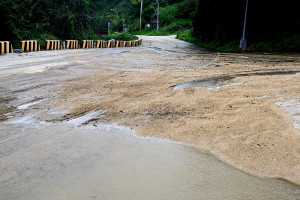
(121, 36)
(212, 24)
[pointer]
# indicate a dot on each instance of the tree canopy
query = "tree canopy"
(218, 20)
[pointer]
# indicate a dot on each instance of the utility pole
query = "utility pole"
(141, 15)
(243, 42)
(115, 12)
(108, 28)
(117, 16)
(157, 25)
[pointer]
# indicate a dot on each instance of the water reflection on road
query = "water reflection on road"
(60, 161)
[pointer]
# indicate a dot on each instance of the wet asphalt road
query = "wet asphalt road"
(65, 160)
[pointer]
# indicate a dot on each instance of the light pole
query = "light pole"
(115, 12)
(157, 25)
(243, 42)
(117, 16)
(141, 15)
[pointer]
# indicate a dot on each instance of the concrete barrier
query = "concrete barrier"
(34, 45)
(72, 44)
(53, 45)
(123, 43)
(111, 44)
(117, 43)
(30, 45)
(87, 44)
(101, 44)
(6, 47)
(140, 41)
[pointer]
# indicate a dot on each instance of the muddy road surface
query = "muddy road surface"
(67, 117)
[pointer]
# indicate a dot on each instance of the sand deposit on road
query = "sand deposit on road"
(235, 117)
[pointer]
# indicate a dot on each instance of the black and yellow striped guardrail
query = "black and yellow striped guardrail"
(101, 44)
(111, 44)
(34, 45)
(127, 44)
(123, 44)
(6, 47)
(118, 43)
(87, 44)
(72, 44)
(30, 45)
(53, 45)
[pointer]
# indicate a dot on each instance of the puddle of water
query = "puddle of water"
(293, 109)
(57, 161)
(198, 83)
(216, 83)
(276, 73)
(25, 106)
(285, 73)
(224, 85)
(210, 83)
(85, 118)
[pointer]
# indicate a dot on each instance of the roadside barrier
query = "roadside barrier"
(118, 43)
(72, 44)
(6, 47)
(128, 44)
(101, 44)
(140, 42)
(87, 44)
(111, 44)
(30, 45)
(34, 45)
(123, 43)
(53, 45)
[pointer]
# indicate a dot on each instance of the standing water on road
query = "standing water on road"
(60, 161)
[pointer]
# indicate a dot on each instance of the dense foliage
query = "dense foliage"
(174, 15)
(47, 19)
(271, 25)
(122, 37)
